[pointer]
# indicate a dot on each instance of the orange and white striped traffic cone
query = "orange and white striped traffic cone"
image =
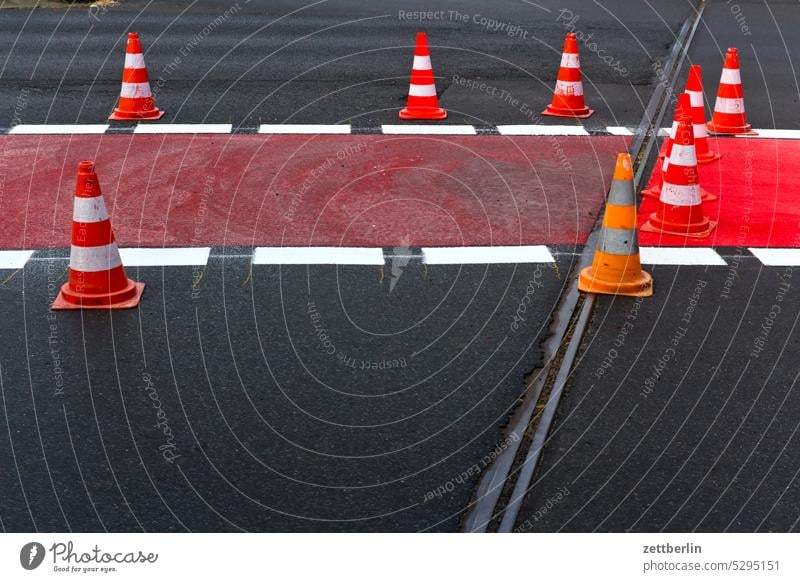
(617, 268)
(97, 278)
(683, 107)
(680, 209)
(568, 94)
(135, 98)
(422, 100)
(694, 88)
(729, 116)
(671, 133)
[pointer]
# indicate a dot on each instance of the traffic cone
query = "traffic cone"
(729, 116)
(694, 88)
(135, 98)
(617, 268)
(671, 133)
(97, 278)
(568, 94)
(680, 209)
(683, 107)
(422, 100)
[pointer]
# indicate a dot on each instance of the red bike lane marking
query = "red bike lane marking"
(327, 190)
(758, 193)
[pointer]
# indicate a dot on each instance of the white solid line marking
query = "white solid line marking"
(317, 256)
(183, 128)
(304, 128)
(165, 257)
(23, 129)
(542, 130)
(680, 256)
(428, 129)
(14, 259)
(774, 134)
(485, 255)
(619, 130)
(777, 257)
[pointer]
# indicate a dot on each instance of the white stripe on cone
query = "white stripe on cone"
(569, 88)
(729, 105)
(695, 98)
(422, 90)
(134, 61)
(683, 155)
(730, 77)
(570, 60)
(94, 259)
(422, 63)
(673, 130)
(680, 195)
(89, 210)
(699, 130)
(135, 90)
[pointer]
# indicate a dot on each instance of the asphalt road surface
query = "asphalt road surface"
(331, 61)
(255, 397)
(316, 398)
(689, 423)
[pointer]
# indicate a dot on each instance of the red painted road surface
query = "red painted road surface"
(759, 196)
(355, 190)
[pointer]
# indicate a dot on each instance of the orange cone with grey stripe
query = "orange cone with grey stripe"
(422, 100)
(617, 268)
(97, 279)
(135, 98)
(568, 95)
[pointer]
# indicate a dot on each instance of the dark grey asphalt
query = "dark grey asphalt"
(329, 62)
(271, 431)
(714, 446)
(766, 35)
(702, 438)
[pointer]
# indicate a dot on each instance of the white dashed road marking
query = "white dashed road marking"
(487, 255)
(680, 256)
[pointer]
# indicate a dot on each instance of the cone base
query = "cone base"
(124, 299)
(581, 113)
(642, 286)
(730, 129)
(423, 113)
(696, 230)
(708, 157)
(120, 115)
